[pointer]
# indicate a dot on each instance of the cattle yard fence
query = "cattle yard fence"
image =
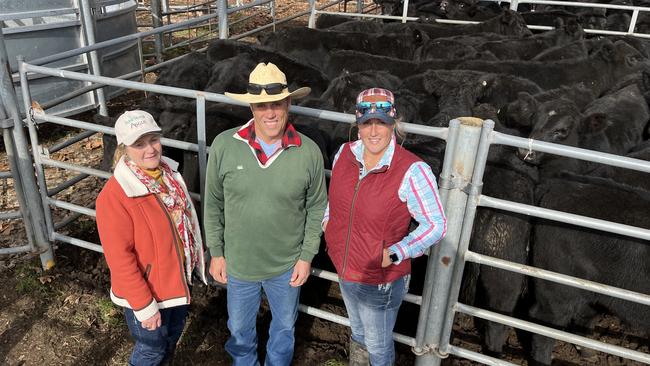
(634, 11)
(468, 141)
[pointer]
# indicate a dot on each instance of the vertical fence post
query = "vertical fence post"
(474, 191)
(514, 4)
(200, 140)
(18, 185)
(459, 167)
(312, 14)
(223, 19)
(633, 20)
(24, 161)
(405, 10)
(88, 25)
(156, 18)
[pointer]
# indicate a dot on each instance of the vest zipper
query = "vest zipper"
(347, 240)
(178, 253)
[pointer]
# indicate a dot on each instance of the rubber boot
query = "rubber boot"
(358, 354)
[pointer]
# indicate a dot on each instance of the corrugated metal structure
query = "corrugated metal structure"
(39, 28)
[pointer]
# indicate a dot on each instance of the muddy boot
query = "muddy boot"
(358, 354)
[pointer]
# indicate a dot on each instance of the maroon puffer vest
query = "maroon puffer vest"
(366, 216)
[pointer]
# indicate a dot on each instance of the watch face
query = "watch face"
(393, 257)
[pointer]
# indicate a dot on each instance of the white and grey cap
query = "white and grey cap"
(133, 124)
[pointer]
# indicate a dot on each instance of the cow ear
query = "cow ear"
(594, 123)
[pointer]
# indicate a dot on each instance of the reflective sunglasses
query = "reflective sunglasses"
(382, 107)
(271, 89)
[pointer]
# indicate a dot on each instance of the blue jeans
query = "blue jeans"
(243, 304)
(153, 347)
(372, 310)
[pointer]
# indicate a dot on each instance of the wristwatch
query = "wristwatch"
(393, 257)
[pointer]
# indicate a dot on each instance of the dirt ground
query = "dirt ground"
(65, 317)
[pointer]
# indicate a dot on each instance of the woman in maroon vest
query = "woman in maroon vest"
(376, 188)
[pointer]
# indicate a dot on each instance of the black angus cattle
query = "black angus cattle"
(614, 123)
(575, 50)
(503, 235)
(599, 71)
(190, 72)
(508, 24)
(526, 48)
(354, 61)
(449, 49)
(459, 91)
(314, 45)
(633, 178)
(298, 72)
(590, 254)
(520, 112)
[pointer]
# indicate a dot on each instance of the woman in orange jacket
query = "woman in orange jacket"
(151, 239)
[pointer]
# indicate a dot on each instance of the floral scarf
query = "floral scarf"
(177, 204)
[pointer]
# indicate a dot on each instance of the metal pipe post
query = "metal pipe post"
(444, 187)
(474, 192)
(405, 11)
(223, 19)
(36, 216)
(14, 173)
(200, 140)
(156, 18)
(88, 25)
(462, 167)
(36, 151)
(312, 14)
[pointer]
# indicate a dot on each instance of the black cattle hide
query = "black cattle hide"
(355, 61)
(521, 111)
(633, 178)
(590, 254)
(298, 73)
(577, 50)
(503, 235)
(508, 24)
(599, 72)
(614, 124)
(313, 45)
(449, 49)
(526, 48)
(548, 17)
(325, 21)
(190, 72)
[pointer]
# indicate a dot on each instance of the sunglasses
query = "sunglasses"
(271, 89)
(382, 107)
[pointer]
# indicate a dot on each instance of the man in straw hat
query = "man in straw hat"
(264, 201)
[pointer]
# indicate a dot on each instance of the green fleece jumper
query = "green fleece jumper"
(262, 220)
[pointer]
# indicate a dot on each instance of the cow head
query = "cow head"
(555, 121)
(519, 113)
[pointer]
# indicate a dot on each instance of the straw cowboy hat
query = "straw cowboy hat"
(267, 83)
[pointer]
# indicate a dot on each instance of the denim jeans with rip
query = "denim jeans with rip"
(372, 310)
(244, 299)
